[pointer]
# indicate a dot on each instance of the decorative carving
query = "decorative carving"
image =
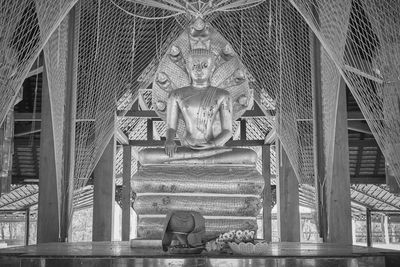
(161, 105)
(242, 100)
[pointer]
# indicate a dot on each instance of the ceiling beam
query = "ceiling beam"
(363, 74)
(374, 197)
(358, 126)
(359, 203)
(34, 72)
(351, 116)
(355, 116)
(12, 218)
(37, 66)
(27, 116)
(363, 143)
(24, 179)
(270, 137)
(151, 114)
(378, 179)
(352, 125)
(26, 129)
(23, 198)
(121, 137)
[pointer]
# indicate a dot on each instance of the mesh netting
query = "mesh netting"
(120, 48)
(118, 54)
(55, 55)
(273, 43)
(362, 40)
(6, 152)
(21, 40)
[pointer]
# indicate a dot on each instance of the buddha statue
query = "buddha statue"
(199, 89)
(206, 110)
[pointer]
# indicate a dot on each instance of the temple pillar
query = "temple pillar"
(318, 135)
(386, 228)
(69, 125)
(126, 192)
(6, 152)
(391, 181)
(337, 187)
(267, 198)
(57, 138)
(331, 151)
(104, 194)
(287, 198)
(49, 181)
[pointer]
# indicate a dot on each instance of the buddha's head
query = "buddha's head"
(200, 65)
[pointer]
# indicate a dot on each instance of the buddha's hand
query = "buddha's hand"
(170, 148)
(204, 146)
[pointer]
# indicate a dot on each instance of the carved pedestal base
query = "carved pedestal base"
(227, 196)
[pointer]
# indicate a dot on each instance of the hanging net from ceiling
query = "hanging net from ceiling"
(118, 55)
(363, 41)
(55, 56)
(121, 44)
(21, 41)
(273, 42)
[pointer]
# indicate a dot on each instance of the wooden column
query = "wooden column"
(149, 129)
(369, 224)
(57, 139)
(48, 230)
(318, 134)
(104, 194)
(338, 179)
(287, 199)
(332, 177)
(386, 228)
(69, 126)
(391, 180)
(267, 200)
(6, 152)
(353, 231)
(243, 131)
(27, 222)
(126, 193)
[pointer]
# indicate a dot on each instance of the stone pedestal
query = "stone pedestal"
(229, 197)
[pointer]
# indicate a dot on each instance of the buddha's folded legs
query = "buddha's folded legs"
(186, 155)
(237, 156)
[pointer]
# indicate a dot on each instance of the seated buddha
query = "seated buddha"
(203, 108)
